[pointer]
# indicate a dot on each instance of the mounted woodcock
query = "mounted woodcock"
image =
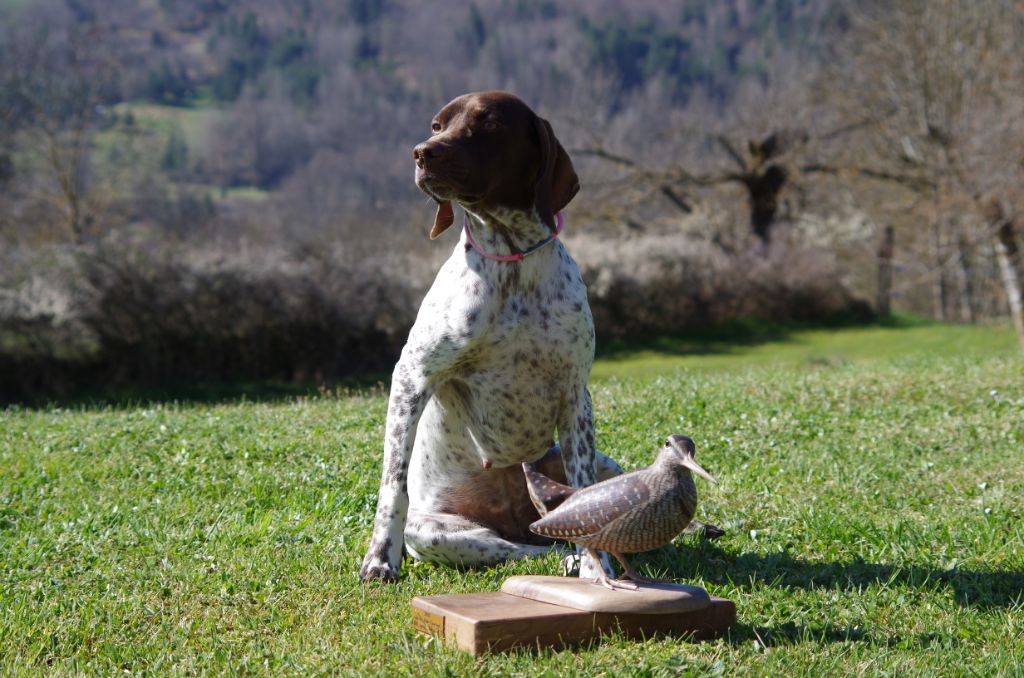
(634, 512)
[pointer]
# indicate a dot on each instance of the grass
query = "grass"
(759, 345)
(161, 120)
(246, 193)
(872, 486)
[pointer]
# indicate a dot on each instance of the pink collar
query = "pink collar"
(517, 256)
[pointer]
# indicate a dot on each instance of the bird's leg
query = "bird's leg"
(628, 571)
(607, 582)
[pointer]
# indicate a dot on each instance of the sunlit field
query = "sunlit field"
(871, 486)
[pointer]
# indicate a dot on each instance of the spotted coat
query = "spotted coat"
(495, 365)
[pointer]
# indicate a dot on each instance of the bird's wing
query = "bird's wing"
(592, 508)
(545, 493)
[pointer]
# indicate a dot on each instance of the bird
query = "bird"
(633, 512)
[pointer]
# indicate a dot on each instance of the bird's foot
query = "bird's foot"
(640, 579)
(629, 572)
(614, 584)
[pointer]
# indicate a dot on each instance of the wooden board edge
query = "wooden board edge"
(576, 627)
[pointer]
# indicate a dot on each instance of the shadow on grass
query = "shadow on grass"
(792, 634)
(789, 633)
(213, 393)
(971, 588)
(721, 339)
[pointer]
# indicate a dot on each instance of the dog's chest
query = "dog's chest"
(522, 367)
(502, 315)
(531, 326)
(524, 346)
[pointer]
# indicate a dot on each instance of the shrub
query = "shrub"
(667, 284)
(141, 311)
(157, 315)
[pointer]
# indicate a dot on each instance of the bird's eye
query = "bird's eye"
(435, 127)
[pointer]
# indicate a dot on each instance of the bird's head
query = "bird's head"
(680, 451)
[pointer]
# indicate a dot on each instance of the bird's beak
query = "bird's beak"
(691, 463)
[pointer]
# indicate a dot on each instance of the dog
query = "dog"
(499, 356)
(500, 353)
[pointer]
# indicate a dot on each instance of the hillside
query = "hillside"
(166, 166)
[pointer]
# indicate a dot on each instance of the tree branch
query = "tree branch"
(911, 182)
(724, 142)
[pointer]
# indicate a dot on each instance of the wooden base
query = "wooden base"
(491, 622)
(588, 595)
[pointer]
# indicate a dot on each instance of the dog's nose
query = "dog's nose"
(424, 151)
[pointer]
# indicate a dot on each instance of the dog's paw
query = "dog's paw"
(591, 569)
(375, 569)
(571, 565)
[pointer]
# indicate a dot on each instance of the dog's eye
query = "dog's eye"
(435, 126)
(491, 125)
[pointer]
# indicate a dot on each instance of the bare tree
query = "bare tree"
(939, 83)
(56, 76)
(1008, 256)
(766, 167)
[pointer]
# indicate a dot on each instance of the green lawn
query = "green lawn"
(160, 120)
(871, 482)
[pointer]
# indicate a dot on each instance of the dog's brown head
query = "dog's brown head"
(489, 151)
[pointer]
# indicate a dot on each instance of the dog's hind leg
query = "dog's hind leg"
(551, 465)
(451, 539)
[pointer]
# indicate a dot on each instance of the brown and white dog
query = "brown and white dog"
(499, 356)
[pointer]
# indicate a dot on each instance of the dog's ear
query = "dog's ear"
(444, 218)
(557, 182)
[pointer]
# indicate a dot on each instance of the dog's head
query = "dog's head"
(488, 151)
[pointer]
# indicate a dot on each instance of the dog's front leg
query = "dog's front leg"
(409, 394)
(576, 436)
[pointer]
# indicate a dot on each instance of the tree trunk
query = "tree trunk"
(1005, 245)
(885, 256)
(938, 281)
(1006, 248)
(964, 281)
(763, 190)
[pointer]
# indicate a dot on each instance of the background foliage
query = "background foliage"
(208, 190)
